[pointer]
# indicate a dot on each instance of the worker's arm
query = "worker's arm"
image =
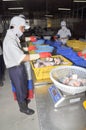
(30, 48)
(30, 57)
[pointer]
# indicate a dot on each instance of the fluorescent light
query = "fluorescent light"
(79, 1)
(16, 8)
(48, 15)
(9, 0)
(64, 9)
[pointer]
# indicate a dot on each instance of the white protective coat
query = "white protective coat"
(13, 55)
(64, 34)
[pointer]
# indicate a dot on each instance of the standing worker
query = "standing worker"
(64, 33)
(15, 58)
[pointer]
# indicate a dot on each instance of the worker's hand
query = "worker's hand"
(25, 48)
(45, 54)
(31, 48)
(27, 39)
(34, 56)
(31, 38)
(79, 53)
(55, 37)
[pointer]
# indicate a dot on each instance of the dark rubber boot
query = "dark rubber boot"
(28, 101)
(23, 108)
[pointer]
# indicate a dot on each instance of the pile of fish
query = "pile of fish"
(73, 80)
(48, 62)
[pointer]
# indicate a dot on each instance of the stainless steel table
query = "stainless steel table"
(71, 117)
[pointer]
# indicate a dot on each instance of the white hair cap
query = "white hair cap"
(22, 16)
(63, 23)
(17, 21)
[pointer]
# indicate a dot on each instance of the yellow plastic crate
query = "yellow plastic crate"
(44, 72)
(76, 45)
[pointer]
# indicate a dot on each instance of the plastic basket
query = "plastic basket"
(43, 73)
(57, 73)
(44, 48)
(39, 42)
(76, 45)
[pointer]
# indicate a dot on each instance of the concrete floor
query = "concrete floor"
(10, 116)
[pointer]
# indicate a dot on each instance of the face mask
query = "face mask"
(17, 31)
(63, 27)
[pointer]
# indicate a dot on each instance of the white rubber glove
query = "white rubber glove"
(34, 56)
(25, 48)
(27, 39)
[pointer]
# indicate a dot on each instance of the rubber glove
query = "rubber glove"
(27, 39)
(33, 39)
(34, 56)
(45, 54)
(85, 56)
(30, 48)
(25, 48)
(79, 53)
(55, 37)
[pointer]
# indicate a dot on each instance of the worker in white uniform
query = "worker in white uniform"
(15, 59)
(64, 33)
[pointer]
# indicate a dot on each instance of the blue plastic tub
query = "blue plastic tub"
(44, 48)
(39, 42)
